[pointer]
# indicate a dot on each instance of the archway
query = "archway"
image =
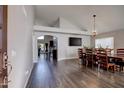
(47, 46)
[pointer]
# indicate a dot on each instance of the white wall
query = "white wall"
(66, 29)
(63, 23)
(20, 23)
(39, 22)
(64, 50)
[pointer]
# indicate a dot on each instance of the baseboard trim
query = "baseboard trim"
(28, 76)
(61, 59)
(35, 61)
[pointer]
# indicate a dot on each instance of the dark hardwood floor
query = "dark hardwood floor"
(68, 74)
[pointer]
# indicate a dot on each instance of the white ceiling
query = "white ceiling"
(108, 18)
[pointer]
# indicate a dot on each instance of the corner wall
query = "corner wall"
(20, 27)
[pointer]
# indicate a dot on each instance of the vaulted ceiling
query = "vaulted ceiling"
(108, 18)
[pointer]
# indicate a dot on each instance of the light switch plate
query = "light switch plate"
(13, 53)
(26, 73)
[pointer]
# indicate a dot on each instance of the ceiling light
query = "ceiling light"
(94, 33)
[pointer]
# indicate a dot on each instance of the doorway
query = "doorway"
(47, 47)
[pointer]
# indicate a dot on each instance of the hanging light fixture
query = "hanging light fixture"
(94, 33)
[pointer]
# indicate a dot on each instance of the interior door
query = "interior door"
(3, 47)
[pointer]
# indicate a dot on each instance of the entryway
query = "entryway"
(47, 47)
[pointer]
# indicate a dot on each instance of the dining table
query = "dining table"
(117, 56)
(112, 56)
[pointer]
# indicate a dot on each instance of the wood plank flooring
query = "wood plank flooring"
(68, 74)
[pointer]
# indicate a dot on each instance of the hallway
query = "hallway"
(42, 75)
(52, 74)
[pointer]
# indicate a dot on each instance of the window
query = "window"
(105, 43)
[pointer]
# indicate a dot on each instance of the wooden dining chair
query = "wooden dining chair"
(109, 51)
(118, 61)
(80, 51)
(80, 55)
(120, 51)
(103, 60)
(89, 57)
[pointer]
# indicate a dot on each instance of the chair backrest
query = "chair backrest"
(89, 51)
(102, 57)
(120, 51)
(109, 51)
(89, 56)
(80, 53)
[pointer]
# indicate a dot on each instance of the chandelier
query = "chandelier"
(94, 33)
